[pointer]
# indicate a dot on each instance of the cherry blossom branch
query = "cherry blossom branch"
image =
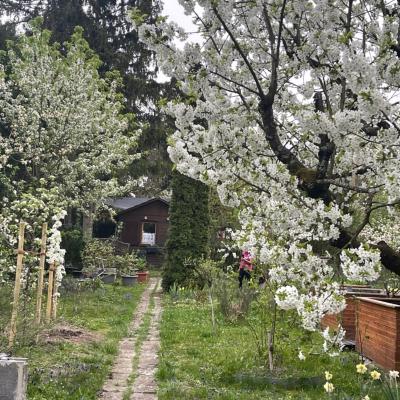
(240, 51)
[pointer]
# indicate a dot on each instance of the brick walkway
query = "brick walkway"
(144, 386)
(119, 382)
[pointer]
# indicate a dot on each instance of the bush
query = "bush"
(73, 243)
(233, 303)
(128, 264)
(97, 254)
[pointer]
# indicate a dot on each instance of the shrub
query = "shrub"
(96, 255)
(73, 243)
(233, 303)
(128, 264)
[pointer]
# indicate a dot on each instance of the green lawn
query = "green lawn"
(76, 371)
(197, 364)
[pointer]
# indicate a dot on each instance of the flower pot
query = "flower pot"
(347, 318)
(77, 274)
(108, 278)
(378, 330)
(143, 276)
(129, 280)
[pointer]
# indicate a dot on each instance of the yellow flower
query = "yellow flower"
(375, 375)
(329, 388)
(361, 368)
(328, 375)
(365, 398)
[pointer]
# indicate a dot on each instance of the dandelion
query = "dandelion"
(328, 375)
(301, 356)
(361, 368)
(393, 374)
(329, 388)
(375, 375)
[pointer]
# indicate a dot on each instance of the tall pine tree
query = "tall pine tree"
(189, 227)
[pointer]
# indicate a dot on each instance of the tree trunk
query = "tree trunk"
(87, 224)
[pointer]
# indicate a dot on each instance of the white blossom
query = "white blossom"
(292, 114)
(361, 264)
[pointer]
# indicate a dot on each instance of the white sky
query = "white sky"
(175, 13)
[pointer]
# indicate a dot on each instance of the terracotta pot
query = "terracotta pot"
(143, 276)
(347, 318)
(378, 330)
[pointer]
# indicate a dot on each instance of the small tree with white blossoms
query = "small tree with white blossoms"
(63, 139)
(291, 110)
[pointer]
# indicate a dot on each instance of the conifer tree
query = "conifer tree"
(189, 226)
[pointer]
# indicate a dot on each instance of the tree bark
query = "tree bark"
(87, 224)
(307, 177)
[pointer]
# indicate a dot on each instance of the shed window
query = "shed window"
(149, 233)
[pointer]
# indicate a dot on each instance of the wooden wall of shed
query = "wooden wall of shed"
(156, 212)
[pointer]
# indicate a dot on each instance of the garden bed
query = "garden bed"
(378, 331)
(347, 318)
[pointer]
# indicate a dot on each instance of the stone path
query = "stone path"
(119, 384)
(144, 386)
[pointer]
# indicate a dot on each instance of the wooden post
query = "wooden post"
(17, 287)
(50, 292)
(41, 274)
(55, 290)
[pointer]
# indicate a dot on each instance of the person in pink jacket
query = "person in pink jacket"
(245, 267)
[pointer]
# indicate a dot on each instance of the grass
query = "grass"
(197, 364)
(76, 371)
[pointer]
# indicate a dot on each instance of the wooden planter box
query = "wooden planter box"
(378, 330)
(347, 318)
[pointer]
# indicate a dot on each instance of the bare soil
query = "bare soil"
(69, 333)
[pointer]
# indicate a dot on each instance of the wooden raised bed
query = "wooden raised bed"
(347, 318)
(378, 330)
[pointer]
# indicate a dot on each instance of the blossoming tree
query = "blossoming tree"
(291, 109)
(63, 139)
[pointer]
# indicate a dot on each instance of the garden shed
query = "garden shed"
(145, 225)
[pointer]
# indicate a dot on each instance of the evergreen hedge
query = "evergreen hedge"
(189, 228)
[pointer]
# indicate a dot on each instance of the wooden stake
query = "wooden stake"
(50, 292)
(55, 290)
(17, 287)
(41, 274)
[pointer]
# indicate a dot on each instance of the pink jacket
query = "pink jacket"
(246, 261)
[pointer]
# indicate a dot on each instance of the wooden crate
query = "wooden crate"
(378, 330)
